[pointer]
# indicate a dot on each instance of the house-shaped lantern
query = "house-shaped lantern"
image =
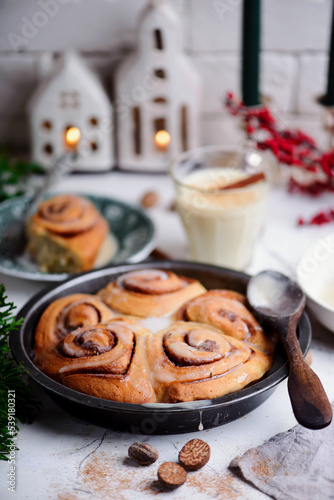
(70, 111)
(158, 95)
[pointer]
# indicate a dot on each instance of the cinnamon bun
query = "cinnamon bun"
(149, 292)
(62, 317)
(226, 310)
(106, 360)
(191, 361)
(66, 234)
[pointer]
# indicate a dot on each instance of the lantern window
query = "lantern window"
(136, 130)
(158, 42)
(93, 121)
(184, 127)
(160, 73)
(46, 125)
(48, 149)
(160, 100)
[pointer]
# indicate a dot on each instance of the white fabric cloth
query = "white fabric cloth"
(293, 465)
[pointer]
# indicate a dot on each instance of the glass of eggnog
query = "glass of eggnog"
(221, 196)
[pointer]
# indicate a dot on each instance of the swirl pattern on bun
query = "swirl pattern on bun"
(149, 292)
(66, 234)
(66, 214)
(227, 311)
(191, 361)
(105, 360)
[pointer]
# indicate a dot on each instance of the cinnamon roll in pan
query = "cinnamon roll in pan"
(105, 360)
(62, 317)
(149, 292)
(192, 361)
(153, 417)
(227, 311)
(66, 234)
(81, 344)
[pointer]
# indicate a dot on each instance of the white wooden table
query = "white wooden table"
(61, 458)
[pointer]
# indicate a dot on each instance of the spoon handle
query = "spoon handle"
(54, 175)
(308, 398)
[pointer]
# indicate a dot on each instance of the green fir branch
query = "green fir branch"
(13, 175)
(12, 378)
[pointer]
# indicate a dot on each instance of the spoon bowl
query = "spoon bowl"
(272, 293)
(279, 302)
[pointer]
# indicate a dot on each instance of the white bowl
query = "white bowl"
(315, 275)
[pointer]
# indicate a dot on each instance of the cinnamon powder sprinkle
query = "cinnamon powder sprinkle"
(223, 486)
(264, 468)
(104, 476)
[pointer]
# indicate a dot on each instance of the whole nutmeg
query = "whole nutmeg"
(173, 206)
(149, 199)
(194, 454)
(143, 453)
(171, 475)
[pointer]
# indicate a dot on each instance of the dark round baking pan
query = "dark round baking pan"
(151, 418)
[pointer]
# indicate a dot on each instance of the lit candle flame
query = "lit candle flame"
(162, 139)
(73, 135)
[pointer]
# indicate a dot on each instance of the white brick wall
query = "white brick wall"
(312, 82)
(295, 36)
(220, 73)
(296, 25)
(278, 80)
(215, 26)
(87, 25)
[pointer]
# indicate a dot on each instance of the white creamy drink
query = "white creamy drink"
(222, 224)
(327, 295)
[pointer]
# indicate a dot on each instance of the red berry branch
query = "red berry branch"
(290, 147)
(318, 219)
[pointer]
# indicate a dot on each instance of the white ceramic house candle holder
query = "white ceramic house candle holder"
(158, 95)
(70, 111)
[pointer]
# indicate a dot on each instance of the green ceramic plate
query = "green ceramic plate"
(132, 229)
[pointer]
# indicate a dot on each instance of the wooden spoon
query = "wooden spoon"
(279, 302)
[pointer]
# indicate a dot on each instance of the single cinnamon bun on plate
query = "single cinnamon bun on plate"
(66, 234)
(227, 311)
(106, 360)
(149, 292)
(190, 361)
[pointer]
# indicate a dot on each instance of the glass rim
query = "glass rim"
(206, 149)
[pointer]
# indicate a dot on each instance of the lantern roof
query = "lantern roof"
(159, 15)
(71, 69)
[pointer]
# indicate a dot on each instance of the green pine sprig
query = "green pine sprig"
(12, 378)
(13, 174)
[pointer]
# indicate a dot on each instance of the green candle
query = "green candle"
(251, 52)
(328, 99)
